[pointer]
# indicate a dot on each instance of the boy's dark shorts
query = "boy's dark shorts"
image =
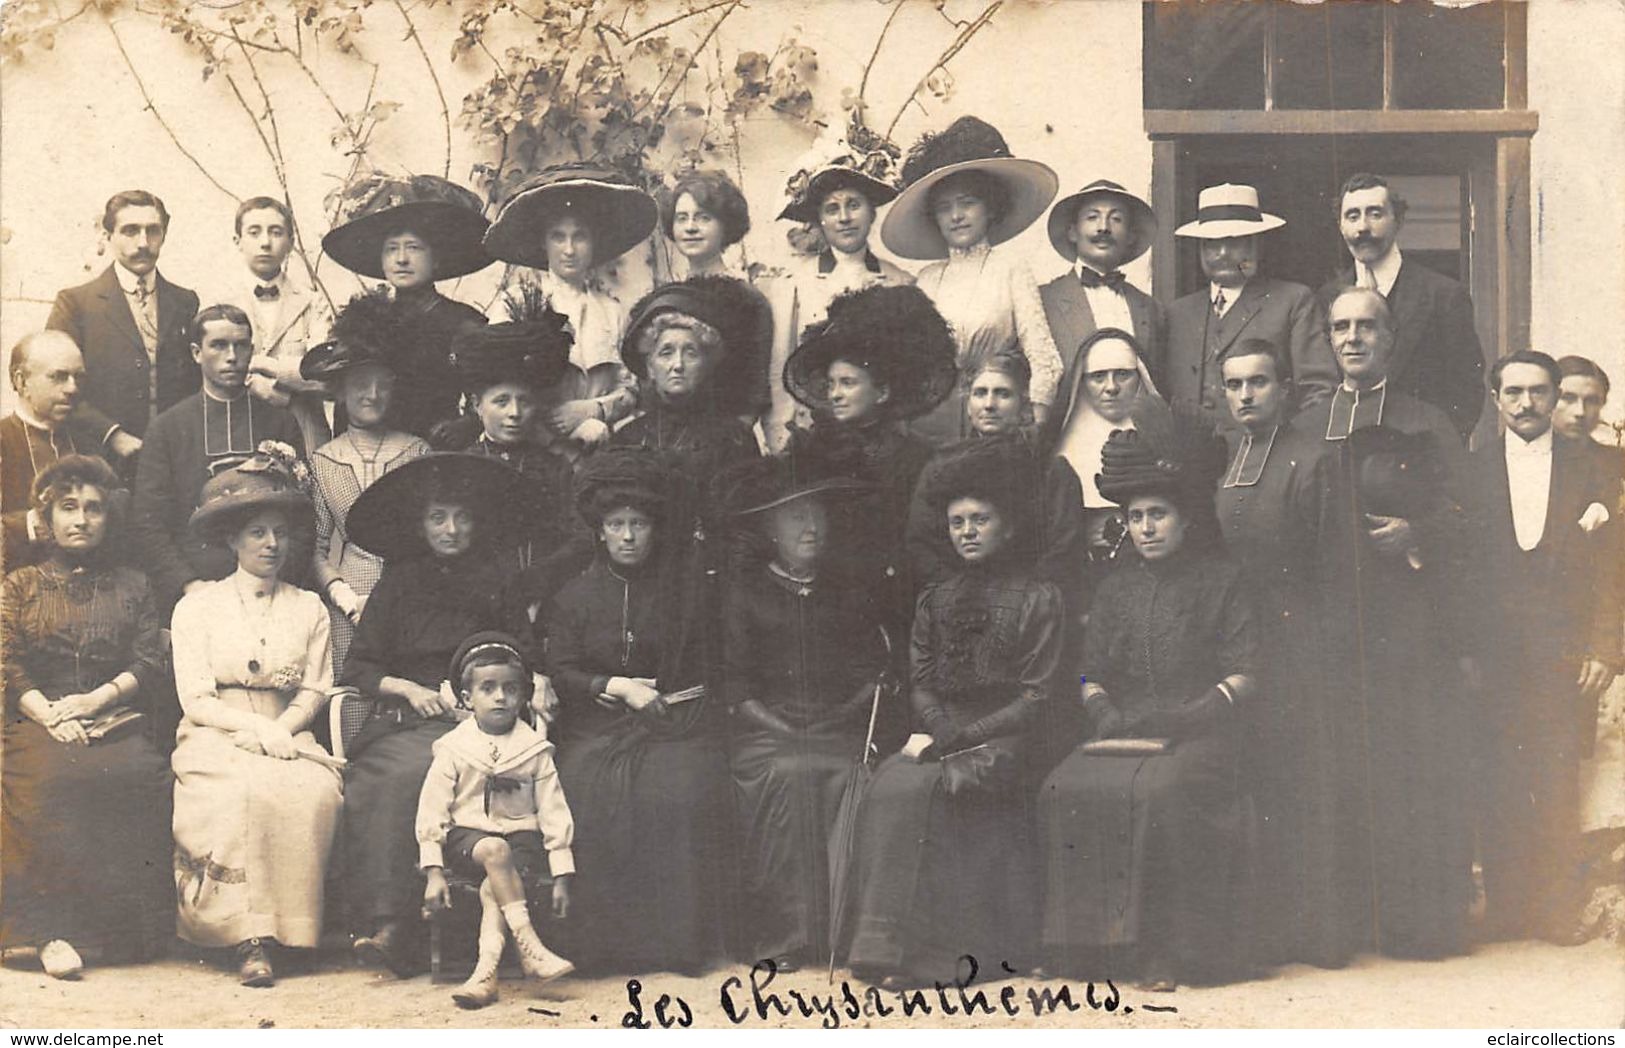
(529, 853)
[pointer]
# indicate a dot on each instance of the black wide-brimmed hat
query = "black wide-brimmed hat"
(1142, 228)
(368, 329)
(1175, 453)
(739, 314)
(857, 158)
(387, 520)
(760, 484)
(532, 348)
(619, 214)
(271, 478)
(894, 333)
(967, 144)
(450, 217)
(614, 477)
(1396, 474)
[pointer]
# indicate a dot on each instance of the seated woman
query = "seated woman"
(444, 525)
(802, 658)
(944, 836)
(358, 367)
(884, 355)
(963, 196)
(565, 222)
(256, 799)
(87, 801)
(640, 750)
(1142, 847)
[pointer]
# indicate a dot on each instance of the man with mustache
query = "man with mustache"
(130, 323)
(1543, 533)
(218, 427)
(1099, 229)
(47, 373)
(1238, 303)
(1438, 356)
(289, 317)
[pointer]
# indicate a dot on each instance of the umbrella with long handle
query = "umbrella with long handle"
(843, 834)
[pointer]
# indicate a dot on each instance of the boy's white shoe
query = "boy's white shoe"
(538, 961)
(481, 987)
(60, 960)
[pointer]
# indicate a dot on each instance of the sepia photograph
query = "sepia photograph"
(558, 515)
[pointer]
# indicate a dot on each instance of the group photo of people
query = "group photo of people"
(909, 622)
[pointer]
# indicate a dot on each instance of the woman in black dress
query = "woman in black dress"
(802, 659)
(87, 803)
(1142, 840)
(445, 525)
(640, 746)
(944, 837)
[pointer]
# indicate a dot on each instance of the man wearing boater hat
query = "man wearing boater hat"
(1240, 302)
(1099, 229)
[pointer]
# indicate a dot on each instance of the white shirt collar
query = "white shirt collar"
(27, 418)
(1080, 265)
(128, 280)
(1230, 294)
(1517, 447)
(1356, 390)
(1386, 270)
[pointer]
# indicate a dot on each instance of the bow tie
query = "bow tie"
(1114, 280)
(267, 291)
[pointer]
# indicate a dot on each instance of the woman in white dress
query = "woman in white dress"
(963, 196)
(256, 800)
(359, 369)
(836, 189)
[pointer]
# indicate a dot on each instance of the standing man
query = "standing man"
(289, 317)
(131, 325)
(1098, 229)
(216, 428)
(47, 373)
(1543, 532)
(1581, 395)
(1438, 357)
(1240, 303)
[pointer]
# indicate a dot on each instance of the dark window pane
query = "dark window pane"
(1205, 56)
(1449, 58)
(1328, 56)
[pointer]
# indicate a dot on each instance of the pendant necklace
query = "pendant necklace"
(254, 664)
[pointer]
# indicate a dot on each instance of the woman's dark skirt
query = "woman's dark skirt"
(1144, 857)
(381, 878)
(789, 790)
(87, 847)
(653, 821)
(937, 878)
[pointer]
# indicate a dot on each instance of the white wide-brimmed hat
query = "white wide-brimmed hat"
(1228, 210)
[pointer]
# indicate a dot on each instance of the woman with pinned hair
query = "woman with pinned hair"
(944, 837)
(1141, 826)
(358, 368)
(640, 744)
(964, 195)
(256, 798)
(86, 793)
(704, 214)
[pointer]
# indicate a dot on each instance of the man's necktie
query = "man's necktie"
(267, 292)
(1218, 304)
(1114, 280)
(146, 319)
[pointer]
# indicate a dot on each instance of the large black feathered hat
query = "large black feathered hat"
(619, 214)
(737, 312)
(614, 477)
(760, 484)
(894, 333)
(387, 520)
(531, 348)
(450, 217)
(1176, 454)
(1000, 470)
(967, 144)
(368, 329)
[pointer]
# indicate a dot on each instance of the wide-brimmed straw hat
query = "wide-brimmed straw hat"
(856, 158)
(450, 217)
(739, 314)
(894, 333)
(532, 348)
(619, 214)
(968, 144)
(1228, 210)
(368, 329)
(1063, 216)
(271, 478)
(387, 520)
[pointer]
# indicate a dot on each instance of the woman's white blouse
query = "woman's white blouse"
(217, 632)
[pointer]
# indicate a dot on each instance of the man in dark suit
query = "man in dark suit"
(1438, 357)
(131, 325)
(1239, 302)
(1543, 529)
(1097, 229)
(47, 372)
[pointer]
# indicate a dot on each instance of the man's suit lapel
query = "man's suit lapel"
(171, 324)
(1239, 316)
(1404, 301)
(1139, 307)
(1077, 320)
(117, 306)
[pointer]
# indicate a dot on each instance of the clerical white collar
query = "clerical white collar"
(1348, 387)
(28, 419)
(224, 400)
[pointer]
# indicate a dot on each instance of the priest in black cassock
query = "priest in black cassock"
(216, 428)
